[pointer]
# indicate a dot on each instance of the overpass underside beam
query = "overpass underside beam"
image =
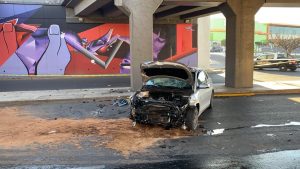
(240, 24)
(282, 3)
(87, 7)
(141, 32)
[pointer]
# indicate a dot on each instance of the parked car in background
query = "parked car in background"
(172, 95)
(217, 49)
(297, 57)
(275, 60)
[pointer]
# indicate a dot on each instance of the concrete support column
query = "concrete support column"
(203, 42)
(141, 32)
(240, 22)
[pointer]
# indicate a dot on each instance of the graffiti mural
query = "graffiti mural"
(31, 44)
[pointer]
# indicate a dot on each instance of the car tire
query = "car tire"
(294, 69)
(283, 68)
(191, 119)
(211, 101)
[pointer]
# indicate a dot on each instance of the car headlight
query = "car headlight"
(143, 94)
(193, 100)
(131, 98)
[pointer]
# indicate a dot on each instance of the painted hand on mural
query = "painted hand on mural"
(56, 56)
(43, 52)
(46, 51)
(10, 40)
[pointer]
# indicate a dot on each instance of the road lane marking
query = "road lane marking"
(233, 94)
(295, 99)
(292, 123)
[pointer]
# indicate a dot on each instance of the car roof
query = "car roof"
(194, 69)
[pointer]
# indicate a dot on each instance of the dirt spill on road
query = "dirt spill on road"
(19, 130)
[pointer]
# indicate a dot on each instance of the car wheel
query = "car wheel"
(293, 69)
(283, 68)
(211, 101)
(191, 120)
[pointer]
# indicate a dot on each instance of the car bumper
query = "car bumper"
(161, 114)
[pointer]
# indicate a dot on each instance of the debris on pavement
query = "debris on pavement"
(101, 105)
(271, 135)
(20, 129)
(98, 112)
(120, 102)
(52, 132)
(133, 123)
(213, 132)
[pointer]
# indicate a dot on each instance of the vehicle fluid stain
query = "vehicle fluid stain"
(275, 160)
(293, 123)
(282, 159)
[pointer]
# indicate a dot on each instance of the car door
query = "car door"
(265, 61)
(204, 90)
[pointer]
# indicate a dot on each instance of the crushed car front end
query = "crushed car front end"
(164, 96)
(158, 107)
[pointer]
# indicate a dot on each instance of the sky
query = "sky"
(288, 16)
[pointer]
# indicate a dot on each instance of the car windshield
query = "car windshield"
(167, 82)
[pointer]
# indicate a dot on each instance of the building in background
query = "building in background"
(263, 32)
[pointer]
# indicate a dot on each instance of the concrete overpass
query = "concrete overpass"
(143, 13)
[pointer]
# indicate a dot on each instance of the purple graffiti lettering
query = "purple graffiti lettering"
(75, 42)
(158, 44)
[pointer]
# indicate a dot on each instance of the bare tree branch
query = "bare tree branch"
(287, 42)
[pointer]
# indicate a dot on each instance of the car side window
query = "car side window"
(271, 57)
(262, 57)
(281, 56)
(202, 79)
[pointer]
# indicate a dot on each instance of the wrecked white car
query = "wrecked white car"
(172, 95)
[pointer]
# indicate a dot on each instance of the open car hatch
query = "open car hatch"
(166, 69)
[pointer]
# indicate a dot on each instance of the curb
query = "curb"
(31, 77)
(256, 92)
(233, 94)
(119, 93)
(24, 102)
(274, 92)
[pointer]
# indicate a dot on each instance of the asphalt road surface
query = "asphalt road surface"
(35, 83)
(32, 84)
(239, 132)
